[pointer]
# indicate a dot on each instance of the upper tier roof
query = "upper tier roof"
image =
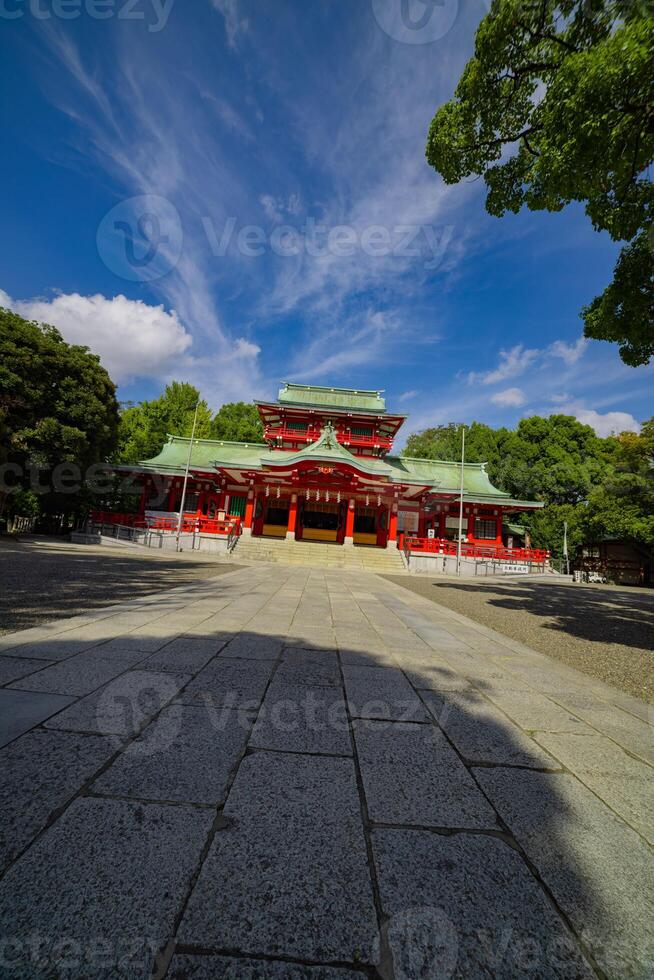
(346, 399)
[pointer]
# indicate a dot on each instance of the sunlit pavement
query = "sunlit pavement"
(295, 773)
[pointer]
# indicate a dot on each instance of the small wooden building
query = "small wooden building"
(617, 560)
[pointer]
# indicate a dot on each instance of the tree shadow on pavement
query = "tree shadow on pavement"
(235, 803)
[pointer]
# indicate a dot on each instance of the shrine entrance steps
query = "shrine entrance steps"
(322, 555)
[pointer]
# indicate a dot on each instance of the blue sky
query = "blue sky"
(234, 192)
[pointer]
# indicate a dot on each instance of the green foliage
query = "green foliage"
(555, 106)
(57, 405)
(624, 313)
(623, 505)
(237, 422)
(546, 527)
(555, 459)
(144, 428)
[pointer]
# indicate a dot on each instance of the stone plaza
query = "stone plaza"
(290, 772)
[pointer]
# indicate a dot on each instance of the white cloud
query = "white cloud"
(570, 353)
(407, 395)
(609, 423)
(510, 397)
(132, 338)
(234, 23)
(512, 363)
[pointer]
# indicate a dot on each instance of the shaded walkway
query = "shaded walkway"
(291, 773)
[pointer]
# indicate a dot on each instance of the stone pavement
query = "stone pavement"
(296, 773)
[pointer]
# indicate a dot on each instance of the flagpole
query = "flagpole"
(458, 544)
(188, 464)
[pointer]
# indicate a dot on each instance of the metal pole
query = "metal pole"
(458, 544)
(565, 548)
(188, 463)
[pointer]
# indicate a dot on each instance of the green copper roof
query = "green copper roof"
(350, 399)
(440, 476)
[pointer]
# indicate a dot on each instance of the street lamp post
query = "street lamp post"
(188, 464)
(460, 535)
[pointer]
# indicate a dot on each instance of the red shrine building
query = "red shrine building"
(325, 472)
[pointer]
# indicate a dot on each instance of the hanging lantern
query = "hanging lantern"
(367, 500)
(378, 500)
(267, 491)
(278, 492)
(327, 496)
(338, 497)
(317, 494)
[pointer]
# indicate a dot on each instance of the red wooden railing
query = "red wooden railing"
(191, 522)
(345, 437)
(472, 549)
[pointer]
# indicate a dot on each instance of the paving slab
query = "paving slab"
(186, 754)
(632, 733)
(13, 668)
(534, 712)
(22, 710)
(81, 674)
(121, 707)
(102, 888)
(289, 877)
(412, 776)
(185, 655)
(600, 872)
(232, 683)
(41, 771)
(434, 674)
(231, 968)
(381, 692)
(253, 646)
(625, 784)
(302, 718)
(482, 733)
(466, 906)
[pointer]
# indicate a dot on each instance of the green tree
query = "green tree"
(57, 406)
(623, 505)
(237, 422)
(557, 105)
(144, 428)
(546, 527)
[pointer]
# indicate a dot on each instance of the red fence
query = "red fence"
(471, 549)
(311, 435)
(191, 522)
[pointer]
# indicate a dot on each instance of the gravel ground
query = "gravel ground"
(43, 578)
(605, 631)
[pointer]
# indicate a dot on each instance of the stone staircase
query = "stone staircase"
(318, 554)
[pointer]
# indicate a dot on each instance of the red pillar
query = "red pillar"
(349, 523)
(249, 511)
(392, 522)
(422, 521)
(498, 529)
(292, 517)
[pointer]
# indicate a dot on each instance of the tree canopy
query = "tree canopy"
(57, 403)
(557, 105)
(555, 459)
(145, 427)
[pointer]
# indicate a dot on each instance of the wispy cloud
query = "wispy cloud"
(512, 363)
(235, 24)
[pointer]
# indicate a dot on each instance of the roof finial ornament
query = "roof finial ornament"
(329, 436)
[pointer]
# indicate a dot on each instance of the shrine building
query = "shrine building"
(325, 472)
